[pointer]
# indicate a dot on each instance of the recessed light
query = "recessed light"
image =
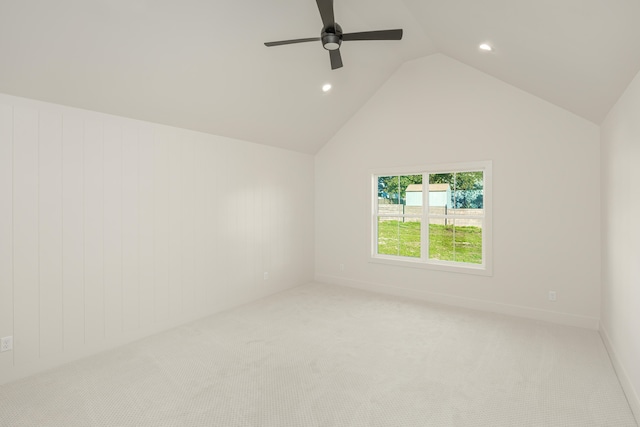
(326, 87)
(486, 47)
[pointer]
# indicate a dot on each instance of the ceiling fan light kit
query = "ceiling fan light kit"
(332, 35)
(332, 38)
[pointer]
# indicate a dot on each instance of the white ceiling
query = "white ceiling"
(202, 64)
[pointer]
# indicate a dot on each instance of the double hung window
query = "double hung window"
(438, 216)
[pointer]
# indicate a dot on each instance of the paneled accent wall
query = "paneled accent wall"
(112, 229)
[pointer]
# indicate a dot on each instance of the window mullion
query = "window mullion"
(424, 230)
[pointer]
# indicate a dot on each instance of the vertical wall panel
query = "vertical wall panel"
(239, 190)
(94, 231)
(6, 230)
(188, 226)
(176, 224)
(253, 276)
(278, 220)
(161, 225)
(223, 229)
(200, 221)
(130, 240)
(259, 172)
(235, 219)
(213, 222)
(244, 227)
(267, 201)
(113, 228)
(146, 224)
(25, 235)
(50, 223)
(230, 244)
(287, 221)
(73, 231)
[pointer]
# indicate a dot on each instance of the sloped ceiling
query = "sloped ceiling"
(202, 64)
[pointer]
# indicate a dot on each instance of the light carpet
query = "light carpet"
(321, 355)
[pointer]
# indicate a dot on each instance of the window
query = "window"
(437, 216)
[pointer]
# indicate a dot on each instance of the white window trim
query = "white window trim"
(484, 269)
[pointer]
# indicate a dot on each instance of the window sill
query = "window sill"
(479, 270)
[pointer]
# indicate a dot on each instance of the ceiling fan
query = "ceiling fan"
(332, 35)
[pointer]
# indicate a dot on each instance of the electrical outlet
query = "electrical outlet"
(6, 344)
(266, 275)
(552, 295)
(341, 267)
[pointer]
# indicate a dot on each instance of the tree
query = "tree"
(394, 188)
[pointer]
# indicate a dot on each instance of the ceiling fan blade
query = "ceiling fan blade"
(326, 12)
(373, 35)
(282, 42)
(336, 59)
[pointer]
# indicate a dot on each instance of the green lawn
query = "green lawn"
(446, 242)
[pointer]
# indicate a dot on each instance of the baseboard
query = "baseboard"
(66, 356)
(70, 355)
(474, 304)
(632, 395)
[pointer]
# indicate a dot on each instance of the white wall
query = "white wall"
(112, 229)
(621, 239)
(546, 181)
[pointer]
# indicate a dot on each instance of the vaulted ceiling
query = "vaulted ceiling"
(202, 64)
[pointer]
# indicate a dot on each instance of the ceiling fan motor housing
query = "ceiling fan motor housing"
(332, 37)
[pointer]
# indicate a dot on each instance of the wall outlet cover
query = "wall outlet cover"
(6, 344)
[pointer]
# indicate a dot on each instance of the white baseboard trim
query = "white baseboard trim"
(70, 355)
(474, 304)
(632, 395)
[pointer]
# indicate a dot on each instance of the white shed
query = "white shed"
(439, 195)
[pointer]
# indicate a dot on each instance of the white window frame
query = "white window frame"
(484, 269)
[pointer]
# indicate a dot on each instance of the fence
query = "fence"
(388, 209)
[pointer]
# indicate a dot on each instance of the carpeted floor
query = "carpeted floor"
(322, 355)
